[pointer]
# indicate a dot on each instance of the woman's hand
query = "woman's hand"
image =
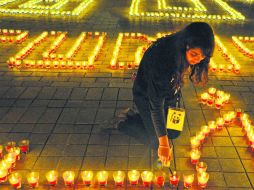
(164, 154)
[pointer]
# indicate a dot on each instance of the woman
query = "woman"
(160, 78)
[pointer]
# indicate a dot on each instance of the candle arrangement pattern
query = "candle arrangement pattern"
(214, 97)
(239, 41)
(12, 36)
(51, 8)
(198, 11)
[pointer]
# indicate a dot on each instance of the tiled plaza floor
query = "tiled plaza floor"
(63, 113)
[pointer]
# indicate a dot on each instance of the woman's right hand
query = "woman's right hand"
(165, 154)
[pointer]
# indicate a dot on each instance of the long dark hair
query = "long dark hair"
(197, 35)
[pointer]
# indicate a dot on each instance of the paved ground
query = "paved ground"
(62, 113)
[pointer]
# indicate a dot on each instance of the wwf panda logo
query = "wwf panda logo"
(175, 118)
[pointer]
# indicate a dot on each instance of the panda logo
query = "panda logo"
(175, 118)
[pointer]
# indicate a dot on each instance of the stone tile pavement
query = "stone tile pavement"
(63, 113)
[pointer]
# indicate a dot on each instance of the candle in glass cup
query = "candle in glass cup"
(226, 97)
(205, 129)
(24, 146)
(69, 177)
(203, 178)
(219, 93)
(1, 151)
(11, 158)
(210, 101)
(87, 177)
(121, 65)
(232, 115)
(226, 118)
(218, 103)
(16, 150)
(201, 167)
(6, 166)
(212, 125)
(195, 143)
(174, 179)
(147, 178)
(52, 176)
(119, 178)
(33, 179)
(102, 177)
(188, 180)
(195, 155)
(159, 178)
(212, 91)
(204, 97)
(219, 123)
(15, 180)
(9, 146)
(200, 136)
(3, 175)
(133, 176)
(239, 111)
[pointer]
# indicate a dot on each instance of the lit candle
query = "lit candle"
(232, 115)
(33, 179)
(219, 93)
(16, 150)
(226, 118)
(133, 176)
(1, 151)
(194, 142)
(205, 129)
(212, 91)
(121, 65)
(52, 177)
(201, 167)
(24, 146)
(174, 179)
(69, 177)
(102, 177)
(204, 97)
(3, 174)
(221, 67)
(15, 180)
(210, 101)
(9, 146)
(160, 178)
(239, 111)
(200, 136)
(219, 123)
(203, 178)
(251, 137)
(87, 177)
(188, 180)
(147, 177)
(5, 166)
(218, 103)
(195, 155)
(236, 68)
(11, 158)
(119, 178)
(212, 125)
(226, 97)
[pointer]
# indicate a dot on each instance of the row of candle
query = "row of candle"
(23, 145)
(14, 39)
(198, 6)
(148, 178)
(216, 97)
(248, 129)
(234, 15)
(11, 32)
(237, 41)
(33, 5)
(229, 57)
(224, 67)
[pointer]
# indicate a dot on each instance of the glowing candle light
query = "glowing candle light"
(218, 103)
(195, 155)
(195, 143)
(205, 130)
(15, 180)
(203, 178)
(121, 65)
(226, 97)
(9, 146)
(87, 177)
(239, 111)
(201, 167)
(11, 158)
(236, 68)
(200, 136)
(226, 118)
(159, 178)
(221, 67)
(174, 179)
(5, 166)
(52, 177)
(204, 97)
(232, 115)
(212, 125)
(16, 150)
(133, 176)
(33, 179)
(1, 151)
(102, 177)
(210, 101)
(119, 178)
(147, 177)
(212, 91)
(219, 123)
(69, 177)
(3, 174)
(188, 180)
(24, 146)
(220, 93)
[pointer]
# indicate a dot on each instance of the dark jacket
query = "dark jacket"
(157, 77)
